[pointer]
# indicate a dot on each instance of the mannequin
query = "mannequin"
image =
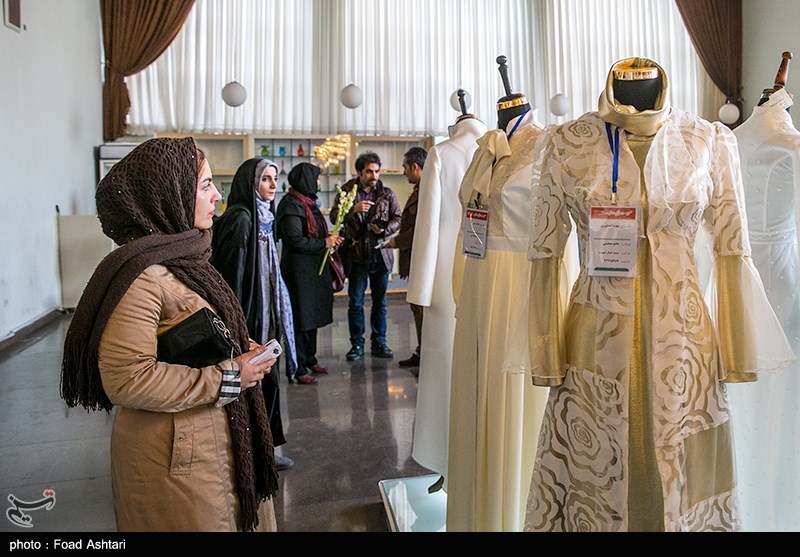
(767, 412)
(494, 416)
(639, 85)
(463, 104)
(780, 79)
(637, 430)
(512, 104)
(433, 257)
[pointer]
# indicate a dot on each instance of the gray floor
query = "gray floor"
(346, 433)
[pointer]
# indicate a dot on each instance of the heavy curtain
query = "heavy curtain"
(407, 56)
(134, 35)
(715, 27)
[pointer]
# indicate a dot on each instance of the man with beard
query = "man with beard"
(374, 216)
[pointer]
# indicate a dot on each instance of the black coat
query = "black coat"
(311, 294)
(234, 249)
(234, 252)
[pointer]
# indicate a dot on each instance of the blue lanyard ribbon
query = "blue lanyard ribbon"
(613, 142)
(511, 133)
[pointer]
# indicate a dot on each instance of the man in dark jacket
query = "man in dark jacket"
(413, 163)
(375, 214)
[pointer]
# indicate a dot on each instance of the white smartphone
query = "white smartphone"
(273, 351)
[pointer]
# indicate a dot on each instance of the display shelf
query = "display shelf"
(224, 152)
(389, 148)
(288, 151)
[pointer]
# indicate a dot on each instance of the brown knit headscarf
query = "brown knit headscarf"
(146, 205)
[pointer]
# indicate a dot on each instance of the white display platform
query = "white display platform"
(409, 506)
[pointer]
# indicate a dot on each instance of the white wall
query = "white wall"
(770, 27)
(50, 121)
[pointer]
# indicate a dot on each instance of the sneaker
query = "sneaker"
(283, 462)
(382, 351)
(413, 361)
(355, 353)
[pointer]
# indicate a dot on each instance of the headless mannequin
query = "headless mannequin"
(512, 104)
(462, 102)
(780, 79)
(641, 94)
(639, 86)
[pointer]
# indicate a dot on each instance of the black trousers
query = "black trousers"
(306, 344)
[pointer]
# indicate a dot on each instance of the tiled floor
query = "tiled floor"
(345, 434)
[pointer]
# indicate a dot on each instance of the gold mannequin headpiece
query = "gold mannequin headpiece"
(512, 103)
(635, 70)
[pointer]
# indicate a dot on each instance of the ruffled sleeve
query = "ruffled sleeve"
(543, 355)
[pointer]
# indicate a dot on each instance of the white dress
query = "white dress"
(767, 412)
(430, 284)
(494, 416)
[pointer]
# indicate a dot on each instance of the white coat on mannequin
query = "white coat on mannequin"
(430, 285)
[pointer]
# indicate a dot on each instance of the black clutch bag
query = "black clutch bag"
(200, 340)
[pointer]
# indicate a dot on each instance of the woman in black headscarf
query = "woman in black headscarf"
(191, 448)
(303, 232)
(244, 252)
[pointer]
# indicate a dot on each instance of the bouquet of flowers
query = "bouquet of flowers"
(346, 200)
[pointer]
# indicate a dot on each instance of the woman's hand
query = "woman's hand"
(333, 241)
(251, 374)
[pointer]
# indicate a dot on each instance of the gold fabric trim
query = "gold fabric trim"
(544, 326)
(581, 336)
(645, 495)
(703, 481)
(735, 338)
(635, 75)
(512, 103)
(741, 377)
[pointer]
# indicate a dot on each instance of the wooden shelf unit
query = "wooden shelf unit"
(225, 152)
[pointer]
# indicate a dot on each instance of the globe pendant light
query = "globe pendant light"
(559, 105)
(351, 96)
(234, 94)
(729, 113)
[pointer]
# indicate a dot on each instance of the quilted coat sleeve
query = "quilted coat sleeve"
(131, 375)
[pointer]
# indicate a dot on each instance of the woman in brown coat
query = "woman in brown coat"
(191, 448)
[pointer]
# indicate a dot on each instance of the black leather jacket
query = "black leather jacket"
(360, 240)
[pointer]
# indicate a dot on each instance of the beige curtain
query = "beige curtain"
(134, 36)
(715, 27)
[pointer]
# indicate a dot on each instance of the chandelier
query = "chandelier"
(333, 150)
